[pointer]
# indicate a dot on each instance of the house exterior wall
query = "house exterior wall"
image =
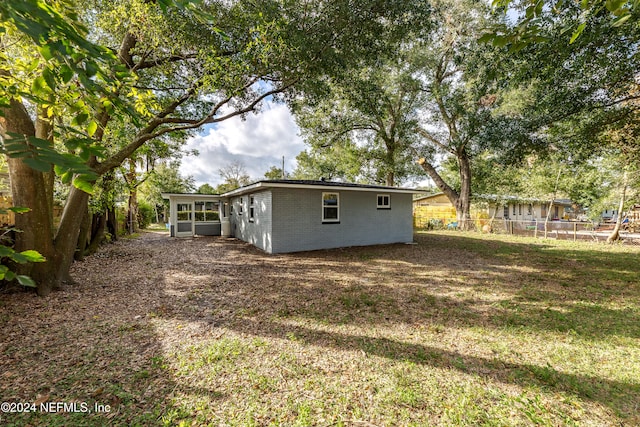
(258, 231)
(434, 200)
(538, 211)
(297, 220)
(207, 229)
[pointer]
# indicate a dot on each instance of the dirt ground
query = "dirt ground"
(121, 335)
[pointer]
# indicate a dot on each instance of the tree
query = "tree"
(372, 111)
(341, 162)
(181, 66)
(461, 98)
(274, 172)
(583, 86)
(165, 178)
(234, 175)
(206, 189)
(535, 15)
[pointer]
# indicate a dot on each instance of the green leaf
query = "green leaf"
(80, 119)
(83, 184)
(33, 256)
(66, 73)
(487, 37)
(37, 164)
(45, 51)
(26, 281)
(577, 32)
(3, 271)
(39, 86)
(18, 209)
(9, 275)
(91, 68)
(620, 21)
(92, 127)
(614, 5)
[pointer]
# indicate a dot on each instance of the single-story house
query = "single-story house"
(501, 207)
(280, 216)
(524, 209)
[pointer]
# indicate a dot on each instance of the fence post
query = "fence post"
(575, 231)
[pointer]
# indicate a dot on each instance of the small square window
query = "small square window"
(384, 201)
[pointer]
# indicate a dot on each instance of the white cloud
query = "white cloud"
(259, 142)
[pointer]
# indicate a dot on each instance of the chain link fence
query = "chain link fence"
(564, 230)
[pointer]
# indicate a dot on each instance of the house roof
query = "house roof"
(504, 198)
(311, 184)
(192, 195)
(429, 196)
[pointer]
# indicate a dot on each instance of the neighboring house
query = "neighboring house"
(524, 209)
(609, 215)
(281, 216)
(503, 207)
(436, 207)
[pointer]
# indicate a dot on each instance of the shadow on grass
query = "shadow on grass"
(451, 281)
(467, 280)
(620, 396)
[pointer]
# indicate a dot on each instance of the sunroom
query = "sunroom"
(194, 214)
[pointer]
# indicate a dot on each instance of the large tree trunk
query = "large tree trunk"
(463, 205)
(68, 232)
(132, 214)
(112, 223)
(451, 194)
(44, 130)
(83, 237)
(29, 189)
(97, 232)
(615, 234)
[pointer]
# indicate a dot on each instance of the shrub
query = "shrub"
(145, 214)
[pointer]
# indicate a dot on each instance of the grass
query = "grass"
(461, 329)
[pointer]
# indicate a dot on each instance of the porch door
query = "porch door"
(184, 223)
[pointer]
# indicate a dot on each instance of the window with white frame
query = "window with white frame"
(240, 208)
(330, 207)
(384, 201)
(252, 208)
(184, 211)
(206, 211)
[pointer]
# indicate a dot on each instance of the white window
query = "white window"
(184, 211)
(330, 207)
(206, 211)
(252, 208)
(384, 201)
(240, 208)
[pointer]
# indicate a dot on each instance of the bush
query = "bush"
(146, 214)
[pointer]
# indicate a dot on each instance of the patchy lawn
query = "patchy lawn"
(460, 329)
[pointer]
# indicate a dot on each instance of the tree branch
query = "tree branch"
(434, 140)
